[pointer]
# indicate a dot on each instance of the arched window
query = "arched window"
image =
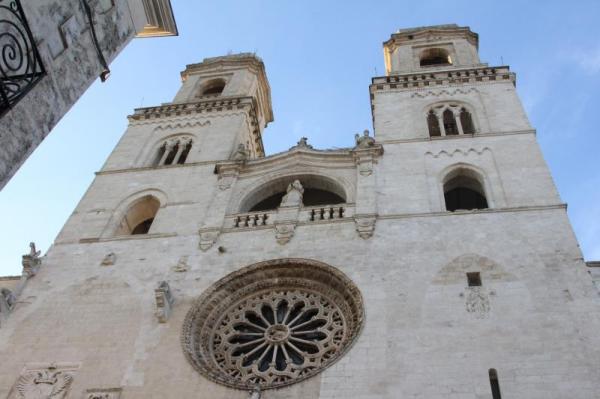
(139, 216)
(214, 87)
(466, 121)
(435, 56)
(463, 190)
(173, 151)
(433, 124)
(449, 123)
(449, 119)
(187, 146)
(317, 191)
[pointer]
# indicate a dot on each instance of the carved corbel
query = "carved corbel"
(164, 301)
(227, 173)
(366, 157)
(284, 232)
(208, 236)
(365, 225)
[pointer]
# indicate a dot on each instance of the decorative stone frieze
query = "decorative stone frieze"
(272, 324)
(164, 301)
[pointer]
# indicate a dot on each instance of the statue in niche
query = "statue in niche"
(240, 154)
(364, 141)
(293, 197)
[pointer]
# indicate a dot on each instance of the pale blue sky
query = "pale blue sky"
(320, 57)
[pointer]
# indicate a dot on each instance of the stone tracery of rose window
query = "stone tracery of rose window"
(277, 336)
(272, 331)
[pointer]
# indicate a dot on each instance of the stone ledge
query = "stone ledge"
(458, 136)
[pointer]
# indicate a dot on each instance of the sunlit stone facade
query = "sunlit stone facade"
(434, 259)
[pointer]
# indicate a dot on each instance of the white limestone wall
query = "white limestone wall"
(401, 114)
(418, 340)
(411, 174)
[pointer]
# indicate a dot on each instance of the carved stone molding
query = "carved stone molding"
(365, 225)
(208, 236)
(105, 393)
(51, 381)
(164, 301)
(272, 324)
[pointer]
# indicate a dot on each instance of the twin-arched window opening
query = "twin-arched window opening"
(214, 88)
(139, 216)
(464, 190)
(449, 120)
(434, 57)
(173, 151)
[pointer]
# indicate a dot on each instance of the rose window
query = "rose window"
(272, 324)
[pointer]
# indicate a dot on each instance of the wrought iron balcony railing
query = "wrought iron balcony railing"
(20, 63)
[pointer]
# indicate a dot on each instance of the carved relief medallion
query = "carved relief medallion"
(44, 383)
(272, 324)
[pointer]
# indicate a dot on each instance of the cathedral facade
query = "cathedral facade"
(434, 259)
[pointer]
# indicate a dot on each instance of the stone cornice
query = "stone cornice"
(341, 158)
(425, 34)
(458, 137)
(206, 106)
(447, 77)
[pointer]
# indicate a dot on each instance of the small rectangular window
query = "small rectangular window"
(474, 279)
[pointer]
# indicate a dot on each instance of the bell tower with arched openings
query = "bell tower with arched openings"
(433, 259)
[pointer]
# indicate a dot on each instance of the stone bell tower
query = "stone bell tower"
(433, 259)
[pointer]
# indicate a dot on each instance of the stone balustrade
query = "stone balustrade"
(323, 212)
(251, 219)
